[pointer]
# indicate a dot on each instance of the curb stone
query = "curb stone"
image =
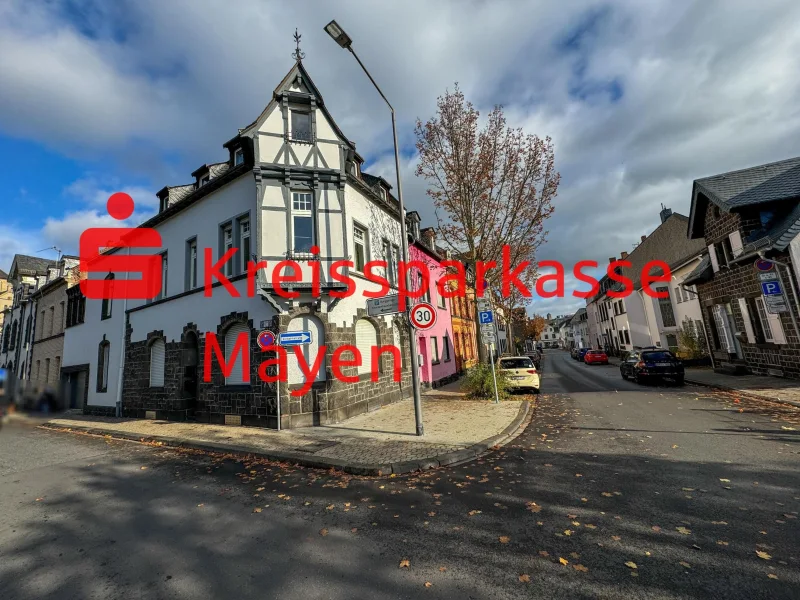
(743, 392)
(366, 470)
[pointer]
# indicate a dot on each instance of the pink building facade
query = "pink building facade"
(435, 346)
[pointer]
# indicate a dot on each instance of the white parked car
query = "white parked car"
(521, 373)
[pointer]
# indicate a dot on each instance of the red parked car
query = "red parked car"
(596, 357)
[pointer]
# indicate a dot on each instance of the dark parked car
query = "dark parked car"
(535, 357)
(652, 365)
(582, 353)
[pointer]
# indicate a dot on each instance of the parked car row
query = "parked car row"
(590, 357)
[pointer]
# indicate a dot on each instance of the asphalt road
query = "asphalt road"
(613, 491)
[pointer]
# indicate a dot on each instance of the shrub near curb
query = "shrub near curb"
(479, 382)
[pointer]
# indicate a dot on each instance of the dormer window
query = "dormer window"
(301, 126)
(238, 157)
(204, 180)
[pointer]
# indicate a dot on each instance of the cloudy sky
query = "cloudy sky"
(640, 98)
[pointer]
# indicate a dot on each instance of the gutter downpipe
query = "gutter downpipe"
(122, 347)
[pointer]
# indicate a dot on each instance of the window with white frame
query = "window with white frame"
(164, 267)
(434, 350)
(302, 222)
(191, 264)
(391, 254)
(227, 245)
(244, 242)
(359, 246)
(238, 157)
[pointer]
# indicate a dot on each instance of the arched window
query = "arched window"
(366, 340)
(310, 351)
(105, 311)
(231, 336)
(157, 352)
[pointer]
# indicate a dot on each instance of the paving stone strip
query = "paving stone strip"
(373, 444)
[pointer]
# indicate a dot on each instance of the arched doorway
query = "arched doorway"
(191, 357)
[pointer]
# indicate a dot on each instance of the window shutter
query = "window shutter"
(157, 351)
(748, 324)
(237, 375)
(712, 253)
(366, 339)
(736, 243)
(776, 326)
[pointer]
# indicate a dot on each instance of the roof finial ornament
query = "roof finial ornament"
(298, 54)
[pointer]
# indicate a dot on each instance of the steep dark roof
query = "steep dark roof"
(747, 187)
(755, 185)
(3, 274)
(31, 265)
(668, 243)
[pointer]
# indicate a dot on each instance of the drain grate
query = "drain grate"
(316, 446)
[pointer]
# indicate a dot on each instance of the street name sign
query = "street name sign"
(387, 305)
(294, 338)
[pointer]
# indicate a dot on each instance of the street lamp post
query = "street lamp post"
(341, 38)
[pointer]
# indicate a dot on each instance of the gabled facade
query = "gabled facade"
(27, 274)
(639, 320)
(436, 346)
(291, 188)
(580, 329)
(743, 216)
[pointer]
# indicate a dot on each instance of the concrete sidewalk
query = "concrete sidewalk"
(376, 443)
(777, 389)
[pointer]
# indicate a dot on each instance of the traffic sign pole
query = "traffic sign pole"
(494, 375)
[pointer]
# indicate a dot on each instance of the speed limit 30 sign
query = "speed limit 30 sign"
(423, 316)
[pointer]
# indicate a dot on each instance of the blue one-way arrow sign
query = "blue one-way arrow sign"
(294, 338)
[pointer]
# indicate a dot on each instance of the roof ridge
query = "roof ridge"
(753, 168)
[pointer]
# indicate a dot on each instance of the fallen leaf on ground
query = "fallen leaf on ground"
(719, 522)
(257, 509)
(428, 584)
(474, 512)
(443, 569)
(405, 563)
(683, 563)
(563, 561)
(725, 480)
(329, 507)
(525, 578)
(656, 528)
(533, 507)
(722, 543)
(683, 530)
(143, 468)
(574, 555)
(544, 553)
(39, 499)
(606, 494)
(590, 526)
(323, 532)
(631, 565)
(504, 539)
(567, 532)
(581, 568)
(762, 554)
(354, 529)
(772, 576)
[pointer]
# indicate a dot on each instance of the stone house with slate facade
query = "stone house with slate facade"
(743, 216)
(291, 187)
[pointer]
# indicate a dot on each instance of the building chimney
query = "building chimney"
(549, 316)
(429, 237)
(666, 213)
(644, 237)
(623, 255)
(611, 260)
